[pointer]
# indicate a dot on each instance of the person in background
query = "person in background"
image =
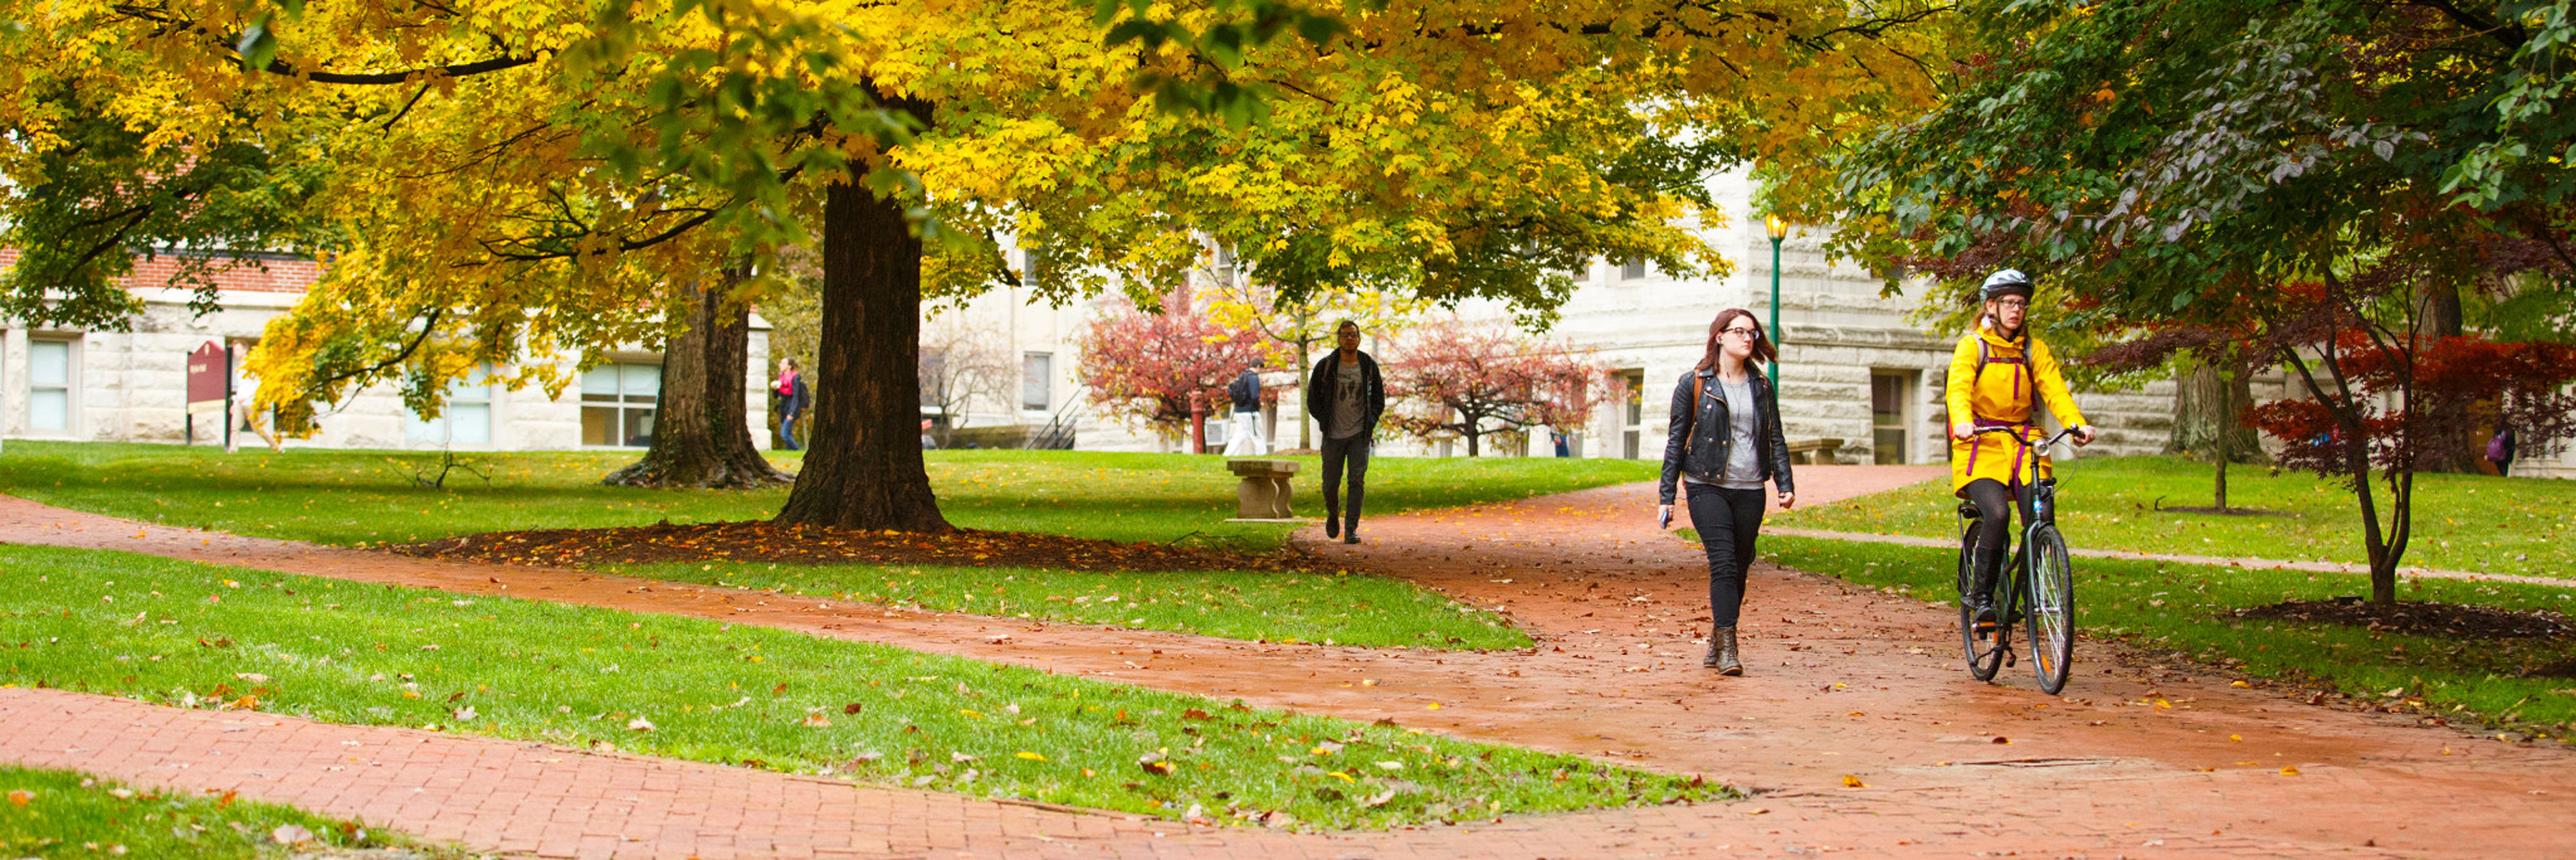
(1726, 440)
(1345, 394)
(2500, 452)
(793, 397)
(927, 443)
(1243, 433)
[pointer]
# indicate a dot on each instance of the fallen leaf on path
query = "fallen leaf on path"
(1850, 781)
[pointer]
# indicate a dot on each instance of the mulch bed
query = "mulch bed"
(2423, 618)
(803, 544)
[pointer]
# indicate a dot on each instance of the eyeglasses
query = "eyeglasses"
(2012, 303)
(1739, 332)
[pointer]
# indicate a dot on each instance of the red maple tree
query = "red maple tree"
(1453, 379)
(1147, 366)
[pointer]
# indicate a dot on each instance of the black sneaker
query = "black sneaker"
(1353, 537)
(1332, 527)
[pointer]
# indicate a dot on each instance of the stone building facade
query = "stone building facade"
(131, 386)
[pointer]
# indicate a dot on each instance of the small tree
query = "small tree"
(962, 364)
(1148, 367)
(1454, 379)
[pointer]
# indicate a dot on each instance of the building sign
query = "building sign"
(209, 378)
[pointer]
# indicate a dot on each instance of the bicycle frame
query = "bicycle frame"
(2020, 585)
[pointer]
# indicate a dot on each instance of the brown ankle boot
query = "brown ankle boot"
(1722, 652)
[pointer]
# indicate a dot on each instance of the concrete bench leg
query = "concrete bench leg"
(1279, 499)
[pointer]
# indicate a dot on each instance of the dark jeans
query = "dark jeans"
(1355, 452)
(1727, 521)
(787, 432)
(1995, 507)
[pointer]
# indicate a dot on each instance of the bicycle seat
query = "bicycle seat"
(1967, 510)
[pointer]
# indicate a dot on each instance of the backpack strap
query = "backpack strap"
(1690, 429)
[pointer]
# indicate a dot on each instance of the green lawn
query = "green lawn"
(2462, 522)
(205, 636)
(358, 497)
(369, 497)
(2185, 608)
(60, 814)
(1334, 609)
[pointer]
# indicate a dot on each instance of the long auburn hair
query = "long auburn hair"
(1763, 351)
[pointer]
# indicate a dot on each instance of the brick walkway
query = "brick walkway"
(1843, 681)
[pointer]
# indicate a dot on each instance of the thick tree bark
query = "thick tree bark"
(2205, 404)
(863, 468)
(701, 430)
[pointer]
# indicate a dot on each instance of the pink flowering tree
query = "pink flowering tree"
(1454, 379)
(1146, 367)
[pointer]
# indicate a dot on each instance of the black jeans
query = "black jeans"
(1727, 521)
(1353, 451)
(1995, 507)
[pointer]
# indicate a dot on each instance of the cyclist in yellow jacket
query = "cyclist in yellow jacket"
(1997, 376)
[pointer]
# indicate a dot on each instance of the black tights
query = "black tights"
(1995, 505)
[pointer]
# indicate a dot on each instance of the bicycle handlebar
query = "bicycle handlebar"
(2016, 436)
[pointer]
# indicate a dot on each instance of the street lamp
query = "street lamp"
(1778, 229)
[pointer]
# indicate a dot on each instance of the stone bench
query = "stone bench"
(1263, 493)
(1809, 452)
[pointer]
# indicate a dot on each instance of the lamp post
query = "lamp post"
(1778, 229)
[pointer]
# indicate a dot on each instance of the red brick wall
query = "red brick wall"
(270, 276)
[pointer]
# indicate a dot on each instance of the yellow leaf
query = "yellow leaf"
(1031, 756)
(2289, 771)
(1850, 781)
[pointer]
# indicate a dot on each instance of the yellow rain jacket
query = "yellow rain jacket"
(2001, 395)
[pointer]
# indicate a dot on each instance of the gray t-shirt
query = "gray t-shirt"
(1743, 463)
(1350, 388)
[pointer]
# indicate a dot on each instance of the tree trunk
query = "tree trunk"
(728, 415)
(701, 430)
(864, 468)
(2456, 448)
(2204, 407)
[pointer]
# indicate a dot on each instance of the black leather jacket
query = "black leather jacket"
(1699, 443)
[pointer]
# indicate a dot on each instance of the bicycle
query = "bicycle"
(2045, 577)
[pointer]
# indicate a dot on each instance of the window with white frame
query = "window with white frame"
(49, 386)
(1037, 380)
(1632, 269)
(466, 419)
(617, 402)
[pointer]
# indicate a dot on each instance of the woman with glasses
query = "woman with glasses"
(1725, 440)
(1995, 375)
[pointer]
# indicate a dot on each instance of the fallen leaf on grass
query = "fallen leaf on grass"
(1031, 756)
(289, 834)
(815, 721)
(852, 708)
(639, 724)
(21, 797)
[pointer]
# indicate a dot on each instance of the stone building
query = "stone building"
(131, 386)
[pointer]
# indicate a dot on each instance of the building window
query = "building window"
(1888, 392)
(617, 404)
(467, 419)
(1632, 418)
(1632, 269)
(49, 386)
(1037, 381)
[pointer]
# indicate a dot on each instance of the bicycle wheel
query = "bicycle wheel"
(2052, 608)
(1985, 650)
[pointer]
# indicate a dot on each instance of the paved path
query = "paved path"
(2218, 561)
(2142, 761)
